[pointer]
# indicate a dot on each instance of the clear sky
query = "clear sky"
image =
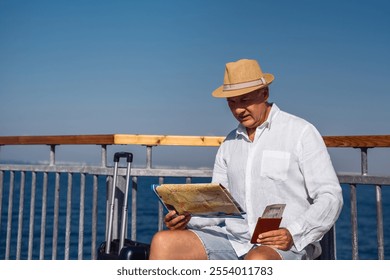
(149, 67)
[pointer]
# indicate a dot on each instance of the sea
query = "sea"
(147, 217)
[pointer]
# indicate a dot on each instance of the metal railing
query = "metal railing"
(53, 222)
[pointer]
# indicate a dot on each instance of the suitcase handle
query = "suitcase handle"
(117, 156)
(128, 156)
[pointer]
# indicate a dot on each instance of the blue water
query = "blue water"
(147, 217)
(367, 222)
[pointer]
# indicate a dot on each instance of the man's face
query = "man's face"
(249, 109)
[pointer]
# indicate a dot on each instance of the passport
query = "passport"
(270, 220)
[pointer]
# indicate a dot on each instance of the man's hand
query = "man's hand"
(280, 239)
(174, 221)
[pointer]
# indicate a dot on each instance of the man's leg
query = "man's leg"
(263, 253)
(177, 245)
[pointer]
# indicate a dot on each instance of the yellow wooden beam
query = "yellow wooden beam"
(169, 140)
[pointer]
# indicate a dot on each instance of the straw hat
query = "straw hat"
(241, 77)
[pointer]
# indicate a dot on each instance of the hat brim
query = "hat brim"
(220, 93)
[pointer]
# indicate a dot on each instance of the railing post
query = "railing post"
(354, 225)
(9, 216)
(94, 217)
(52, 155)
(68, 216)
(104, 156)
(81, 217)
(149, 157)
(134, 189)
(20, 214)
(160, 208)
(56, 215)
(364, 161)
(32, 215)
(43, 217)
(379, 218)
(1, 195)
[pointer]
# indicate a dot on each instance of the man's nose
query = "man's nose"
(239, 110)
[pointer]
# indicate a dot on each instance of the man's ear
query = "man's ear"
(266, 93)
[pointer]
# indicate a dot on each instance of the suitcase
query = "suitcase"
(132, 250)
(122, 248)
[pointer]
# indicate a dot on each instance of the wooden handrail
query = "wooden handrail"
(172, 140)
(58, 140)
(113, 139)
(358, 141)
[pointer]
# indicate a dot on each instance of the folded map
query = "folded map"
(202, 199)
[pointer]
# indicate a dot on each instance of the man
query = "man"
(272, 157)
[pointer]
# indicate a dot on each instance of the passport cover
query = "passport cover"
(263, 225)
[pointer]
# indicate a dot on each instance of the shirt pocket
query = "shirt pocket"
(275, 164)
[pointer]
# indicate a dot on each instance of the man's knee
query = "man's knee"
(263, 253)
(161, 239)
(158, 245)
(176, 244)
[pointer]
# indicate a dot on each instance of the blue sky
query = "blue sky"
(149, 67)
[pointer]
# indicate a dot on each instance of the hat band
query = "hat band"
(258, 82)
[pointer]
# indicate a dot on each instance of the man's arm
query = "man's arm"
(323, 188)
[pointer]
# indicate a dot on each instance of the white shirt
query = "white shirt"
(288, 163)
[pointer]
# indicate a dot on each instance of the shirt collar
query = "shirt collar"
(241, 130)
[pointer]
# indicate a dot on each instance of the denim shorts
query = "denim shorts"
(218, 247)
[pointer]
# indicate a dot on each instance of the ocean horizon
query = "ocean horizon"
(147, 217)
